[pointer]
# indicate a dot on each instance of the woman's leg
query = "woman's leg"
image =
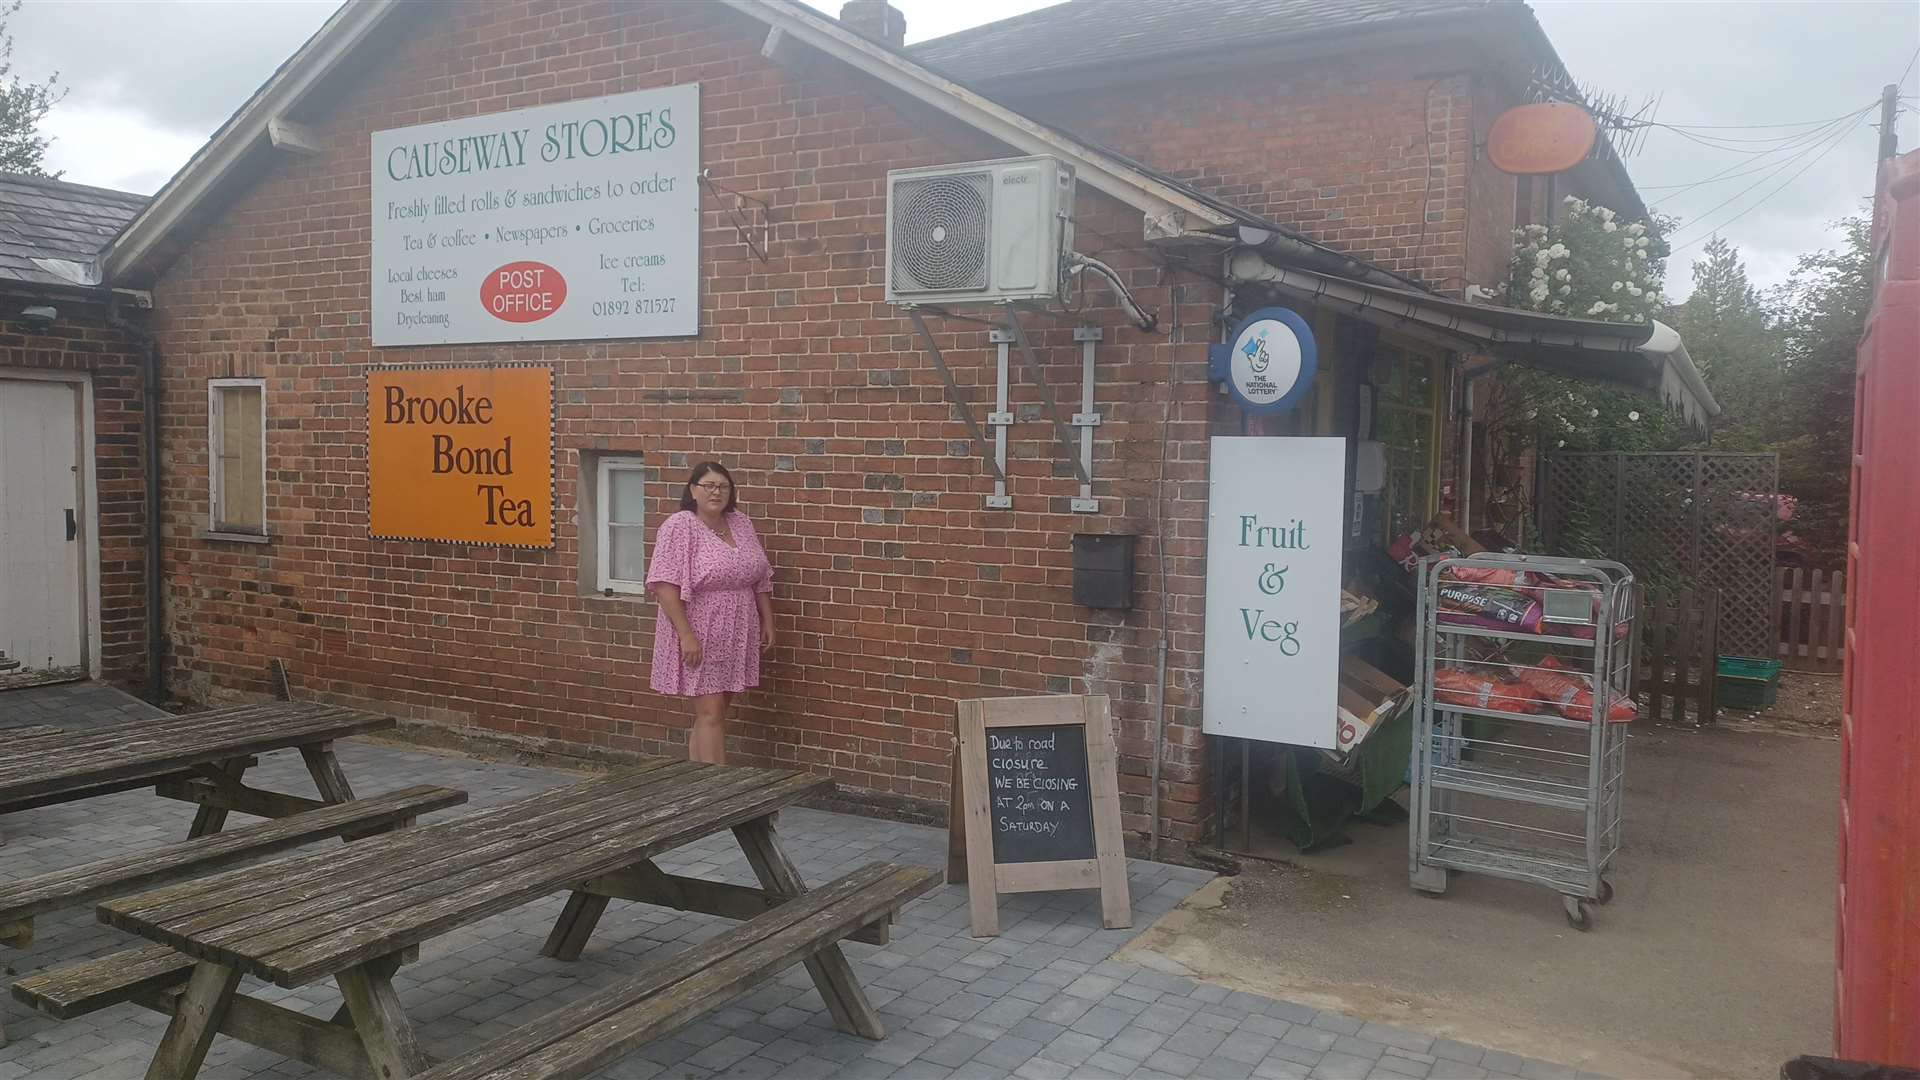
(708, 740)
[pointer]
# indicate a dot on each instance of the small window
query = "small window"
(237, 443)
(619, 502)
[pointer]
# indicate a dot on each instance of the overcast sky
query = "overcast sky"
(151, 80)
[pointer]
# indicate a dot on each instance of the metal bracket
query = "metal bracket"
(999, 419)
(1046, 393)
(1089, 333)
(999, 502)
(1085, 419)
(1085, 506)
(954, 395)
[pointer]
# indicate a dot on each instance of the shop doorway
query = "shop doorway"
(43, 596)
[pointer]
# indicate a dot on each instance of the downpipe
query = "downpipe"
(150, 422)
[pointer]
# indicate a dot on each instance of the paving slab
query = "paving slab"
(1046, 1000)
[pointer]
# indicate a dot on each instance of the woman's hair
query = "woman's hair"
(688, 502)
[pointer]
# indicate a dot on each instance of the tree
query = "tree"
(1726, 325)
(23, 105)
(1822, 311)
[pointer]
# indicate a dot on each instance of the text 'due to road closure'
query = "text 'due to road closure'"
(566, 222)
(461, 454)
(1042, 806)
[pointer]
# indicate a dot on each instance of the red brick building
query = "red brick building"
(75, 551)
(1341, 177)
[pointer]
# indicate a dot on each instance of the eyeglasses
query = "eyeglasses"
(717, 489)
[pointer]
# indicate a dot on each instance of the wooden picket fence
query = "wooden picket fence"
(1813, 619)
(1679, 644)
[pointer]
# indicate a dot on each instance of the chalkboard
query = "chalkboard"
(1036, 804)
(1041, 802)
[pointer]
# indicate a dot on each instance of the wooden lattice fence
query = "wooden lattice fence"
(1681, 521)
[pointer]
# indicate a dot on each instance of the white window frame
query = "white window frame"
(604, 468)
(215, 447)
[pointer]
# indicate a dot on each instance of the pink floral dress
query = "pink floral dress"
(718, 584)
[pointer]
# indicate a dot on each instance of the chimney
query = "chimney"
(876, 19)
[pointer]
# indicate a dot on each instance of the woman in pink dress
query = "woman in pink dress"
(715, 589)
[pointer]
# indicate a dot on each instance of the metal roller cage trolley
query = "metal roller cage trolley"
(1525, 679)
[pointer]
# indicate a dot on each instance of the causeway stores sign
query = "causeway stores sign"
(463, 454)
(1273, 589)
(563, 222)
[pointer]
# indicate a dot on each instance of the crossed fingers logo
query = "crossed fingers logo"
(1256, 350)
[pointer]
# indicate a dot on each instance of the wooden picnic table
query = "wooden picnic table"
(351, 914)
(196, 757)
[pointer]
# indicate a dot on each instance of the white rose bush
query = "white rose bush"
(1595, 264)
(1591, 264)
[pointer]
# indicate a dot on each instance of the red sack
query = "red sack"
(1569, 693)
(1483, 575)
(1580, 707)
(1455, 686)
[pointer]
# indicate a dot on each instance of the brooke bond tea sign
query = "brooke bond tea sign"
(1273, 589)
(563, 222)
(462, 454)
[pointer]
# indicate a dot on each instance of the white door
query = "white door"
(42, 594)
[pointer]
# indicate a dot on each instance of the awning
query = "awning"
(1649, 356)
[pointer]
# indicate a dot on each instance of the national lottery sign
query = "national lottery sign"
(558, 223)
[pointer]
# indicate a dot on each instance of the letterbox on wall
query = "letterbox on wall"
(1103, 570)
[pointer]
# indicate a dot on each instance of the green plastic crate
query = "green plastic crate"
(1746, 682)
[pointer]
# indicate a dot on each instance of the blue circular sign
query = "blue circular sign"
(1271, 361)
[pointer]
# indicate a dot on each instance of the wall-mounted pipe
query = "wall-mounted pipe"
(150, 422)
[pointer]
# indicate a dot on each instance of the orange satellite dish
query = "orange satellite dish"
(1548, 137)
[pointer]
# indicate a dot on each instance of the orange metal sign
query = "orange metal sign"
(1548, 137)
(462, 454)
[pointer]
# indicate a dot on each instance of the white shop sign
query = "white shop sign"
(1273, 589)
(563, 222)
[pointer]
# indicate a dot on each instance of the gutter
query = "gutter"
(1454, 324)
(1310, 256)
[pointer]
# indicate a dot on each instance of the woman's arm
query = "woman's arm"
(676, 611)
(765, 601)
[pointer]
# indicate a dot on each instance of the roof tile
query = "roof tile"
(52, 219)
(1084, 33)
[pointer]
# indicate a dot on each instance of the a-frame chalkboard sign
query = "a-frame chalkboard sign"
(1036, 804)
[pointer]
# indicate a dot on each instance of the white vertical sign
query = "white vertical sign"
(1273, 589)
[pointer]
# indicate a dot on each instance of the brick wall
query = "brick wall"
(1368, 153)
(1492, 197)
(896, 590)
(83, 340)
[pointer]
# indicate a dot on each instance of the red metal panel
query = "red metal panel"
(1877, 976)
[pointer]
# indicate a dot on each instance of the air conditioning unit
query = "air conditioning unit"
(987, 232)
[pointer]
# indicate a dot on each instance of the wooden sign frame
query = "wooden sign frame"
(970, 826)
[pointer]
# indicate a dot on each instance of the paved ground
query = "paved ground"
(1046, 1000)
(1715, 957)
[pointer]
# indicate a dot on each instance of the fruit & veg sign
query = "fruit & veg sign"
(559, 223)
(1273, 589)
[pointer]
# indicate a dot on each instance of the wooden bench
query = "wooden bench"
(155, 976)
(577, 1039)
(20, 901)
(91, 985)
(569, 1042)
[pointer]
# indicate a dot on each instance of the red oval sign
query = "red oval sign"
(523, 292)
(1533, 140)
